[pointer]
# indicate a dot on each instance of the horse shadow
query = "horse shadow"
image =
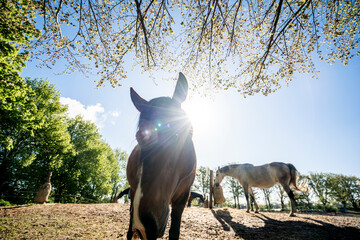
(306, 228)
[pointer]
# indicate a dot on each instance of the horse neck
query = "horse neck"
(233, 171)
(197, 195)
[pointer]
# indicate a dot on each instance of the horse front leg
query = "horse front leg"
(292, 200)
(176, 213)
(129, 234)
(246, 192)
(253, 198)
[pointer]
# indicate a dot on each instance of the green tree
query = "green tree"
(303, 201)
(265, 41)
(267, 193)
(281, 195)
(345, 189)
(16, 107)
(90, 172)
(202, 180)
(35, 153)
(320, 183)
(120, 181)
(235, 189)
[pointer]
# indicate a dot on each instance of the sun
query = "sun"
(202, 113)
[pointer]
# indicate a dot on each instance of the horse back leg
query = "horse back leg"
(253, 198)
(292, 199)
(176, 213)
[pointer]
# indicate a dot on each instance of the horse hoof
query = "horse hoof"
(256, 211)
(291, 215)
(247, 211)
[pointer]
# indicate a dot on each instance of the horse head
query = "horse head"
(162, 120)
(219, 176)
(164, 160)
(202, 198)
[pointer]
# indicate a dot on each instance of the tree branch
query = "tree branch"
(147, 45)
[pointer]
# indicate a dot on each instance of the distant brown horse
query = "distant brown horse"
(263, 176)
(194, 195)
(162, 166)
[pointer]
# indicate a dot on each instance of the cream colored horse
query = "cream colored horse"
(263, 176)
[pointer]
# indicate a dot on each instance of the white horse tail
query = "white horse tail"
(303, 185)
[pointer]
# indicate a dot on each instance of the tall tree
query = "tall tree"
(267, 193)
(303, 201)
(34, 153)
(345, 189)
(121, 182)
(16, 31)
(90, 172)
(236, 190)
(202, 180)
(320, 183)
(265, 41)
(281, 195)
(51, 142)
(17, 108)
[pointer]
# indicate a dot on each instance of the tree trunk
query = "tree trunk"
(58, 194)
(282, 204)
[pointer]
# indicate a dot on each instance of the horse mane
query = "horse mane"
(235, 165)
(228, 167)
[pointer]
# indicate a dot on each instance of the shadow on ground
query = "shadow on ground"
(299, 228)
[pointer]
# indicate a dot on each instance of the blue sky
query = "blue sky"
(313, 123)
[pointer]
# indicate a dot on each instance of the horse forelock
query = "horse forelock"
(158, 106)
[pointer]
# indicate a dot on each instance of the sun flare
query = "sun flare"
(202, 113)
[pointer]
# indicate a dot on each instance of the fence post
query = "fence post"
(211, 188)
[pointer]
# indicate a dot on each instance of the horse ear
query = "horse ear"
(181, 89)
(138, 101)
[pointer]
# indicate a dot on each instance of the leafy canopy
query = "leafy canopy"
(16, 108)
(252, 46)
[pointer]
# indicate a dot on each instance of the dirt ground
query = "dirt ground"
(110, 221)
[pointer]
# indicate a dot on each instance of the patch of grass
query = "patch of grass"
(4, 203)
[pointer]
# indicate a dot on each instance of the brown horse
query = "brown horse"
(162, 166)
(194, 195)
